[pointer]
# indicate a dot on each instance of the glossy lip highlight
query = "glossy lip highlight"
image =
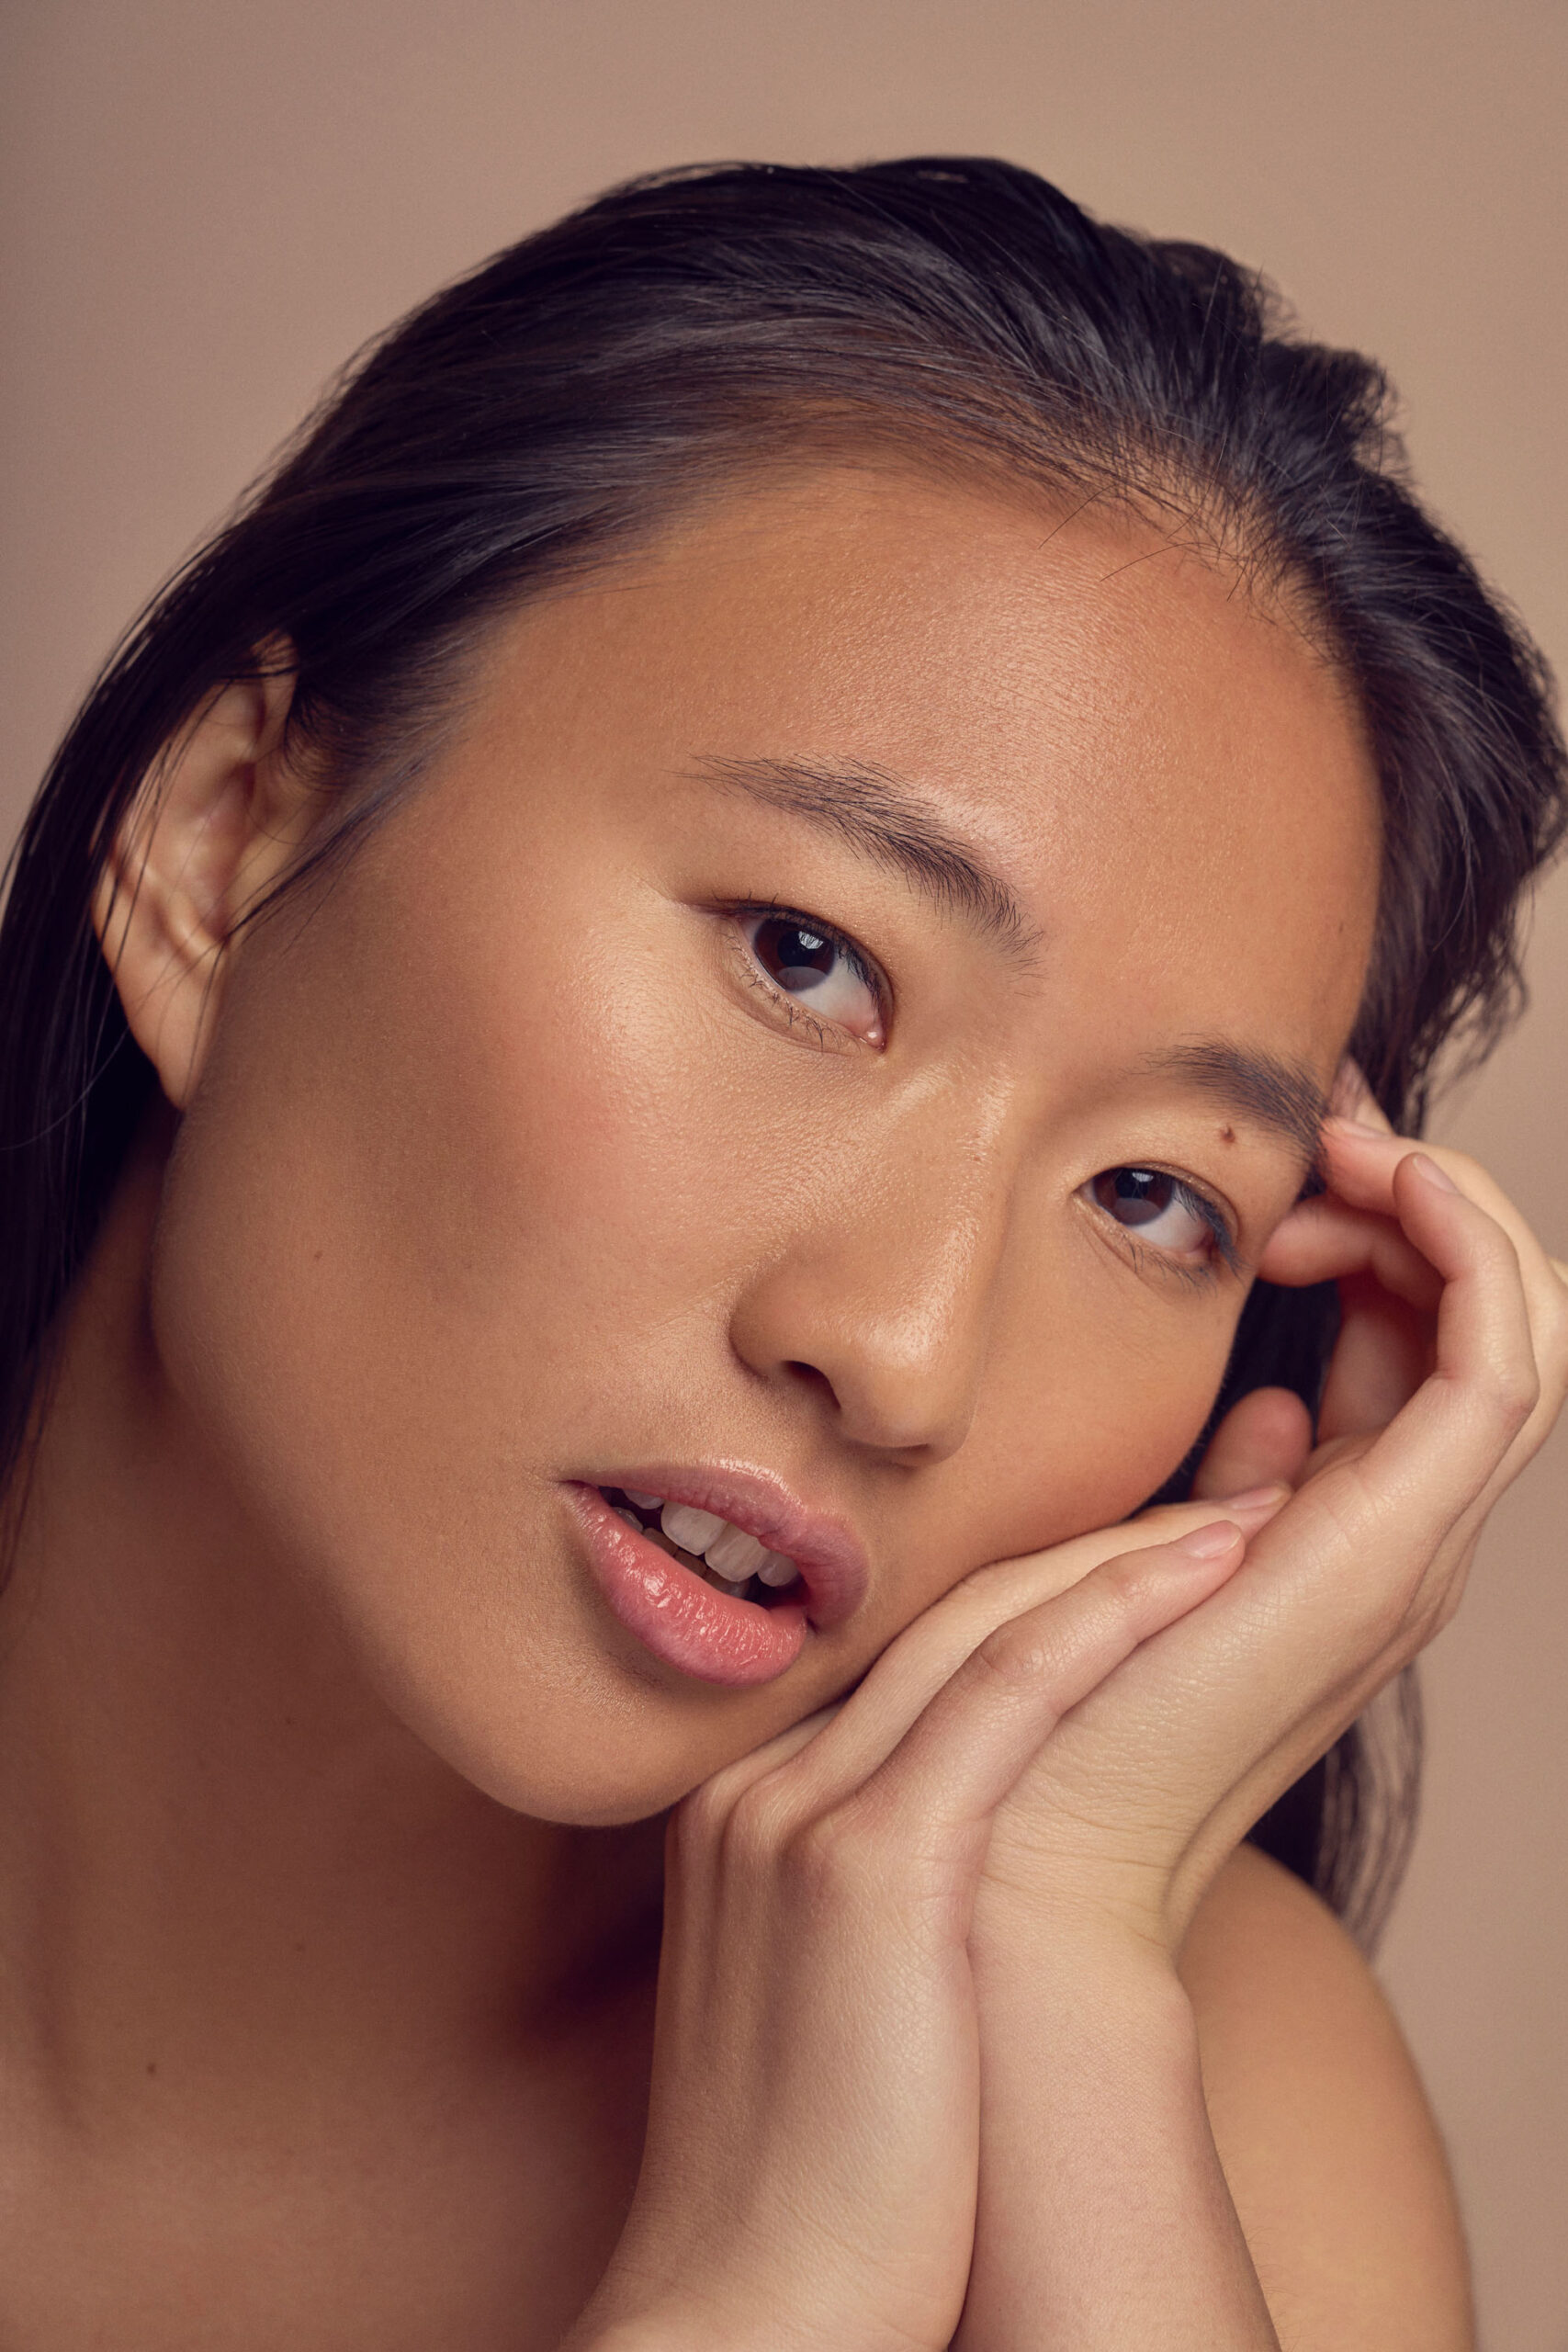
(687, 1622)
(830, 1559)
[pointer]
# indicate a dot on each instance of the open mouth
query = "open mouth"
(724, 1556)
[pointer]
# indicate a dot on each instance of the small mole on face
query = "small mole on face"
(1227, 1135)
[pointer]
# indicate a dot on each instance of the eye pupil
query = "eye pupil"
(797, 958)
(1134, 1195)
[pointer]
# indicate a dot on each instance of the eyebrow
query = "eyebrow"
(881, 818)
(1280, 1094)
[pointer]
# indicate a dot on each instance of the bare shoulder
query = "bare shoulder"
(1331, 2151)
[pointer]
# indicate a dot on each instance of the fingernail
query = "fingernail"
(1256, 1499)
(1432, 1172)
(1208, 1543)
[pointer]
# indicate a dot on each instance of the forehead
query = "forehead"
(1172, 778)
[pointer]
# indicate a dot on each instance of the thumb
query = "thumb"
(1264, 1441)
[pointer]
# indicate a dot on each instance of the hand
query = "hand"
(809, 2176)
(1105, 2218)
(1450, 1370)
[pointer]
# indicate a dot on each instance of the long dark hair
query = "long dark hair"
(681, 333)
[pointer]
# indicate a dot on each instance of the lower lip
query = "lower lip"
(687, 1623)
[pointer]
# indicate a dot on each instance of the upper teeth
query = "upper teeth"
(728, 1551)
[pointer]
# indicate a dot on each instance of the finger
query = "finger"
(1363, 1164)
(1401, 1498)
(905, 1679)
(928, 1653)
(1350, 1576)
(1383, 1354)
(1264, 1441)
(1362, 1161)
(730, 1783)
(1386, 1286)
(1357, 1571)
(1328, 1238)
(966, 1749)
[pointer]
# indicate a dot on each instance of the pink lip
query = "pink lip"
(689, 1623)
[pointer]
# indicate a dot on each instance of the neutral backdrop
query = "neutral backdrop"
(207, 205)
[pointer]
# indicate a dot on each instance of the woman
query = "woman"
(674, 1026)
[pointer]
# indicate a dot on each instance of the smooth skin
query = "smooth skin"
(332, 1863)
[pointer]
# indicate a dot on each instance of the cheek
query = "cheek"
(1079, 1431)
(445, 1223)
(1076, 1429)
(1136, 1430)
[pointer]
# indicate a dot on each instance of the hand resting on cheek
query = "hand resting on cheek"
(909, 1935)
(726, 908)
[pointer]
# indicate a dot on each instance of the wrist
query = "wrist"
(1074, 1902)
(1091, 2019)
(1068, 1946)
(1104, 2216)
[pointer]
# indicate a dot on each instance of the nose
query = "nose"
(880, 1303)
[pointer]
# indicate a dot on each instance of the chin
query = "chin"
(578, 1740)
(586, 1790)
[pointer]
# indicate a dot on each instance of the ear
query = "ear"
(220, 821)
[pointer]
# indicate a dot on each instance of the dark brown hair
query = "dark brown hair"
(690, 327)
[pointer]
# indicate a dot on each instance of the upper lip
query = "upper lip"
(831, 1558)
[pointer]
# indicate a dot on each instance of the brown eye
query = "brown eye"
(817, 968)
(797, 958)
(1158, 1207)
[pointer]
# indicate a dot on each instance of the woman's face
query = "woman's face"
(830, 1038)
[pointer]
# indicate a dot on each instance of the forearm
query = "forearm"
(1104, 2219)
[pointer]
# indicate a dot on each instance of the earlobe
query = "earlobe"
(217, 822)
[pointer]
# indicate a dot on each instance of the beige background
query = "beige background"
(208, 204)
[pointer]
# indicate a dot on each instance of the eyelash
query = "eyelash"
(1199, 1204)
(827, 1035)
(1161, 1261)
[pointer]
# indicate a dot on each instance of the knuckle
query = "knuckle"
(758, 1827)
(826, 1862)
(1513, 1392)
(1384, 1618)
(696, 1825)
(1428, 1610)
(1386, 1599)
(1017, 1656)
(1446, 1608)
(1425, 1616)
(1551, 1350)
(1129, 1578)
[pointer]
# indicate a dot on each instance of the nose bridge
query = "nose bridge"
(885, 1290)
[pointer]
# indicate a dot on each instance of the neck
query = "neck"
(219, 1850)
